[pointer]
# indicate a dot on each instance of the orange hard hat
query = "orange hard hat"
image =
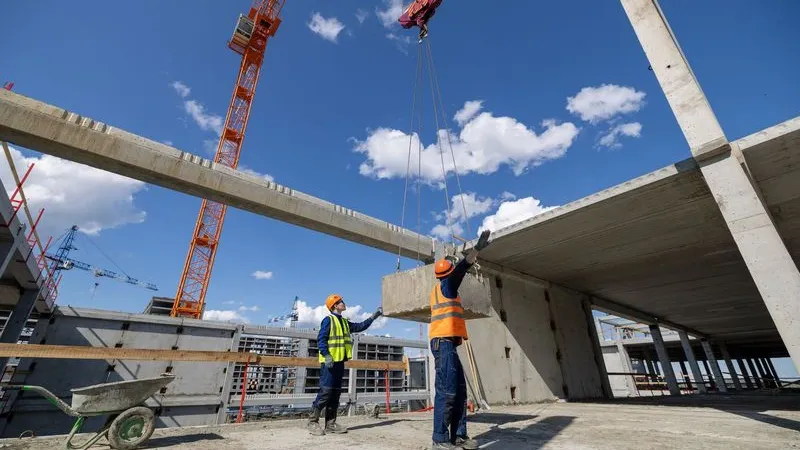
(332, 300)
(443, 268)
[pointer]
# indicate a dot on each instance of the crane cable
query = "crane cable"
(438, 108)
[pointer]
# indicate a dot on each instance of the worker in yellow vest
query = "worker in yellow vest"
(335, 347)
(447, 331)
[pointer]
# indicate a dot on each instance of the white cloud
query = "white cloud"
(361, 15)
(224, 316)
(182, 89)
(210, 146)
(401, 42)
(167, 143)
(611, 138)
(513, 211)
(388, 16)
(253, 308)
(74, 194)
(262, 275)
(328, 29)
(206, 121)
(484, 143)
(595, 104)
(312, 317)
(468, 112)
(250, 171)
(453, 223)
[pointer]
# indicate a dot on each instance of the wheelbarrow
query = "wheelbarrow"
(130, 423)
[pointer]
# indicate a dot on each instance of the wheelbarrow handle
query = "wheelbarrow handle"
(46, 394)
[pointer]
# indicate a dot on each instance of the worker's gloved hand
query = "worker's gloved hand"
(378, 312)
(483, 241)
(328, 361)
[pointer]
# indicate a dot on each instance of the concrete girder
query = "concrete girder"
(55, 131)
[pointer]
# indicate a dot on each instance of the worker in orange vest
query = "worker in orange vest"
(447, 331)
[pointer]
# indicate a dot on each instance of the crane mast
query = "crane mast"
(249, 40)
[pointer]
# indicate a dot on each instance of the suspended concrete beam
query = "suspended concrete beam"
(48, 129)
(771, 266)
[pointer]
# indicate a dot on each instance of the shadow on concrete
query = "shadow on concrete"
(375, 425)
(498, 418)
(175, 440)
(750, 405)
(531, 437)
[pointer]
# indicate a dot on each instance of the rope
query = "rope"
(104, 254)
(449, 140)
(417, 76)
(438, 142)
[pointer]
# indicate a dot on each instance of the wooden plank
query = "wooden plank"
(142, 354)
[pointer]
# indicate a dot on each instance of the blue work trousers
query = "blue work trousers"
(450, 402)
(330, 389)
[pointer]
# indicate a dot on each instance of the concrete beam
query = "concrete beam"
(629, 313)
(48, 129)
(771, 266)
(687, 349)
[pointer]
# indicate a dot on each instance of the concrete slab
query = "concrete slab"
(726, 424)
(406, 294)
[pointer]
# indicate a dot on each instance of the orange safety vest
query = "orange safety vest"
(447, 316)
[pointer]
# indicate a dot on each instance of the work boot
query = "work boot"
(466, 443)
(313, 422)
(333, 427)
(443, 445)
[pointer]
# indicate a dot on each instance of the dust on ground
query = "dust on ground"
(724, 423)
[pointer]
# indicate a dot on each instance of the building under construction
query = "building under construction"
(694, 267)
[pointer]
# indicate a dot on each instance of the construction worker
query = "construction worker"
(447, 331)
(335, 347)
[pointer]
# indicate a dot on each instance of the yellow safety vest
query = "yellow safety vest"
(340, 343)
(447, 316)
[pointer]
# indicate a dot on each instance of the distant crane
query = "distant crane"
(62, 261)
(249, 40)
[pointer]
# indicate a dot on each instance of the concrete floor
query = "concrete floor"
(727, 422)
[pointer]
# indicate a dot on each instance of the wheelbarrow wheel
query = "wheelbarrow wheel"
(131, 428)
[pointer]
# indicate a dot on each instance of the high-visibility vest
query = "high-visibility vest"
(340, 343)
(447, 315)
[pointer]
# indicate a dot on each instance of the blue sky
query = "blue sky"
(326, 101)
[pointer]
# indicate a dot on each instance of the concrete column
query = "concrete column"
(771, 266)
(762, 373)
(712, 361)
(7, 250)
(687, 349)
(762, 365)
(774, 372)
(592, 326)
(754, 372)
(666, 365)
(627, 366)
(742, 369)
(731, 369)
(17, 319)
(685, 374)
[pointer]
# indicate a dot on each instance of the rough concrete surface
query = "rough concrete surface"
(406, 294)
(729, 423)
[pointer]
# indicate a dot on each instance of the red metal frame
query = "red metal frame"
(190, 298)
(17, 203)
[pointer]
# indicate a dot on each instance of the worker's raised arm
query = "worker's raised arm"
(453, 282)
(357, 327)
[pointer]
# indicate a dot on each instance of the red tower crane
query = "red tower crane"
(249, 40)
